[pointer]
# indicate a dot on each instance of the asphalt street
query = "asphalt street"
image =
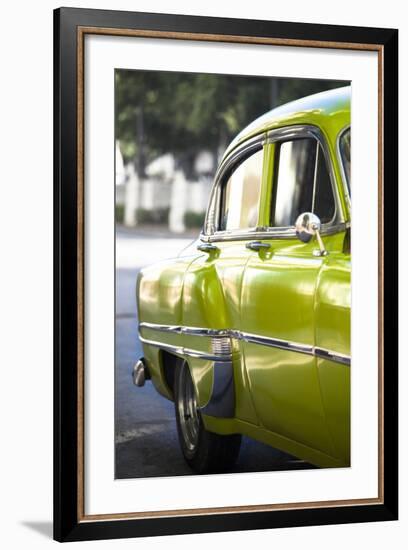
(146, 441)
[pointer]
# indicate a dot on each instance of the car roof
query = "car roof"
(330, 110)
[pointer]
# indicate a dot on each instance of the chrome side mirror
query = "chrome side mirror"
(307, 226)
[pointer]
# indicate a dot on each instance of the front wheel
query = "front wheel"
(205, 452)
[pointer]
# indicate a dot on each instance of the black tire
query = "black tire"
(205, 452)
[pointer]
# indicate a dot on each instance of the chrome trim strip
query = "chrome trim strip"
(187, 351)
(310, 130)
(178, 329)
(332, 356)
(287, 345)
(269, 233)
(345, 182)
(243, 149)
(275, 343)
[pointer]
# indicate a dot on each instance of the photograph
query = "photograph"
(232, 273)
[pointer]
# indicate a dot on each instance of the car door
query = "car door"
(279, 292)
(212, 285)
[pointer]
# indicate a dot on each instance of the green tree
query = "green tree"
(183, 113)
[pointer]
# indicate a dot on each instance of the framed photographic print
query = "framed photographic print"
(225, 335)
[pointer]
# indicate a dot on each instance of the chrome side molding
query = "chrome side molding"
(223, 352)
(276, 343)
(332, 356)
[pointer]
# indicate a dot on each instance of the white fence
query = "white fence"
(159, 192)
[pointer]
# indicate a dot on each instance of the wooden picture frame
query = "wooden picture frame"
(70, 28)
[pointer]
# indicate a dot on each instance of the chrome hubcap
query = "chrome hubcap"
(188, 411)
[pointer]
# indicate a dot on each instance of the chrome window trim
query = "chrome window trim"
(267, 233)
(337, 224)
(213, 213)
(253, 144)
(304, 131)
(345, 182)
(287, 345)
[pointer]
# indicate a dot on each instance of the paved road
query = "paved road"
(146, 435)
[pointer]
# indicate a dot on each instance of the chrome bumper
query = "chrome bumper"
(140, 373)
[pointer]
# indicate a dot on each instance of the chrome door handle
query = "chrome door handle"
(257, 245)
(207, 247)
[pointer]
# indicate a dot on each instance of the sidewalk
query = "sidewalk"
(155, 232)
(138, 247)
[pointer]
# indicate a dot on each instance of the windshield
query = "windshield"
(345, 146)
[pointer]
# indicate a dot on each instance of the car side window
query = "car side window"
(301, 183)
(240, 194)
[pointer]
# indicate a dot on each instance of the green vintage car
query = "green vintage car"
(248, 329)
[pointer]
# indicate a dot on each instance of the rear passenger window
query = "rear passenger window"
(302, 183)
(240, 194)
